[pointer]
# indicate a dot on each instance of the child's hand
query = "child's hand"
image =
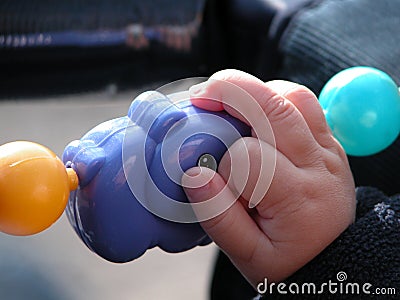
(311, 199)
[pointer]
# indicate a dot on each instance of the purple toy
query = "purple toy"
(136, 161)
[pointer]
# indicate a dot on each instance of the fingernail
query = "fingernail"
(193, 172)
(198, 89)
(200, 191)
(252, 204)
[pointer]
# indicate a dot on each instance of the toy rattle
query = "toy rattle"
(110, 178)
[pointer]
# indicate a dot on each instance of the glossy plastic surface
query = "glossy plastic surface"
(34, 188)
(362, 107)
(104, 211)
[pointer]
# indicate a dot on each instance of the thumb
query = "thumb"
(232, 229)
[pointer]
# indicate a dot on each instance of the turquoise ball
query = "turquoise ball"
(362, 108)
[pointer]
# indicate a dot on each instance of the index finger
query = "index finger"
(232, 95)
(254, 102)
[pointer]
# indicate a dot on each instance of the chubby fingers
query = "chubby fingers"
(247, 242)
(268, 182)
(257, 103)
(234, 229)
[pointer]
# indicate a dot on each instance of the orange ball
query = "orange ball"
(34, 187)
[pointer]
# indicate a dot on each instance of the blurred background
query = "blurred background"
(69, 46)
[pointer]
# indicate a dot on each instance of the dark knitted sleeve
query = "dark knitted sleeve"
(331, 35)
(368, 252)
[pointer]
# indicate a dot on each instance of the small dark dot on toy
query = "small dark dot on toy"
(208, 161)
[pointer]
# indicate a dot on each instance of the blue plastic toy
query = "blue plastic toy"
(104, 210)
(362, 108)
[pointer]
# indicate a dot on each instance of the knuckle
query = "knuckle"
(278, 108)
(335, 164)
